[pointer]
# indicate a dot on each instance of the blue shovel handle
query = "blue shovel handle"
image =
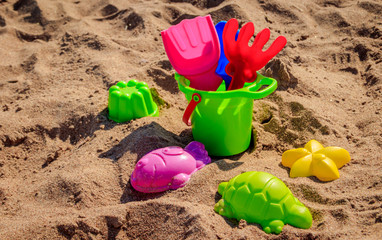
(223, 61)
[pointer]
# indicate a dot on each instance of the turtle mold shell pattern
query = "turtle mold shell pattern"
(262, 198)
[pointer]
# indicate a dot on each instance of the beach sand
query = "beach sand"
(65, 168)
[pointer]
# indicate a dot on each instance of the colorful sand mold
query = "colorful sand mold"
(262, 198)
(315, 160)
(131, 100)
(168, 168)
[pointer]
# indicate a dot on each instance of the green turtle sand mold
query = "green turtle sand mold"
(262, 198)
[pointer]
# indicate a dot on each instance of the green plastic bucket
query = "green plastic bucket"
(222, 120)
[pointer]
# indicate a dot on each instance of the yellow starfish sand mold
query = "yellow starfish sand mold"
(315, 160)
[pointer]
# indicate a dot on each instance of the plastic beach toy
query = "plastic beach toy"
(168, 168)
(315, 160)
(131, 100)
(193, 49)
(222, 120)
(262, 198)
(244, 61)
(223, 61)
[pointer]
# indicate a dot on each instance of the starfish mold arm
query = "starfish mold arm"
(301, 168)
(324, 168)
(313, 146)
(291, 156)
(338, 155)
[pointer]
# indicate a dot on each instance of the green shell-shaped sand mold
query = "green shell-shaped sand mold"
(130, 100)
(262, 198)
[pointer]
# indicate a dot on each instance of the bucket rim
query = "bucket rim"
(250, 90)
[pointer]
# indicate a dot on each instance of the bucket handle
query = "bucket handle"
(254, 94)
(251, 92)
(195, 99)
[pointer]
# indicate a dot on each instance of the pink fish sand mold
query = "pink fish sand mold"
(193, 49)
(168, 168)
